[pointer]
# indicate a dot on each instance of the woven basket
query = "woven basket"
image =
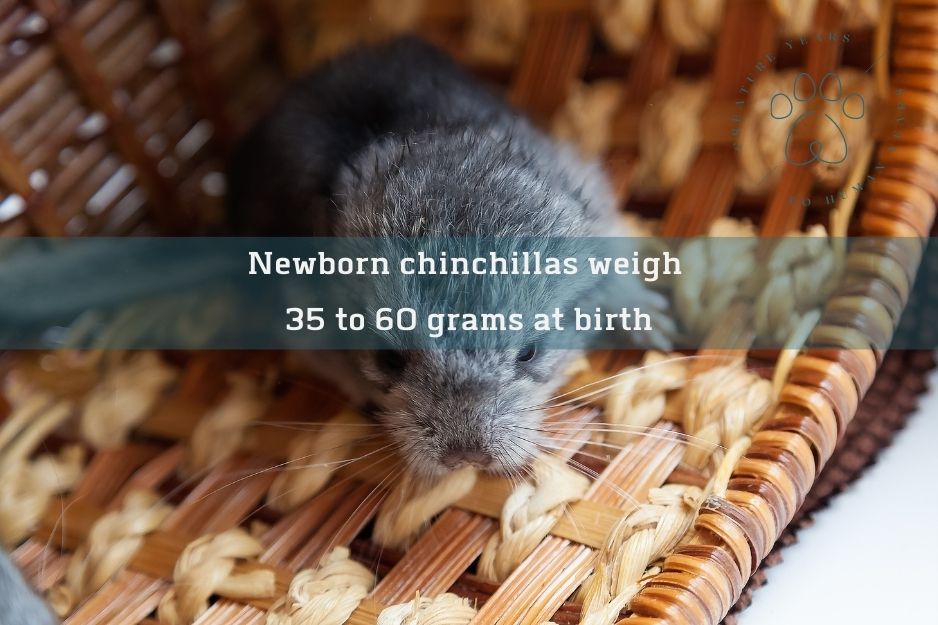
(115, 118)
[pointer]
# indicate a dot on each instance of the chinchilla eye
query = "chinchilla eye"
(527, 353)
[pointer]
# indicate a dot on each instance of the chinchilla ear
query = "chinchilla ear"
(19, 604)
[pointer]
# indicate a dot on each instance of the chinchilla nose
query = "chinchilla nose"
(454, 458)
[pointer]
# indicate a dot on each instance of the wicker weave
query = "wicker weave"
(115, 116)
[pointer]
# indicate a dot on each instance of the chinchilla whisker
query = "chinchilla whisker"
(618, 375)
(619, 378)
(334, 483)
(378, 491)
(338, 464)
(251, 474)
(666, 436)
(646, 431)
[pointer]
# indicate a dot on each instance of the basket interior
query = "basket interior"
(116, 116)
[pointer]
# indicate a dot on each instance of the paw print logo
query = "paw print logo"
(813, 103)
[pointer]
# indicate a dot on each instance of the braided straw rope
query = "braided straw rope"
(669, 134)
(714, 270)
(497, 29)
(329, 42)
(586, 116)
(27, 486)
(221, 431)
(692, 24)
(721, 406)
(860, 13)
(123, 398)
(394, 17)
(326, 595)
(16, 389)
(379, 20)
(446, 609)
(799, 274)
(797, 16)
(815, 384)
(853, 122)
(643, 536)
(802, 270)
(112, 542)
(763, 137)
(205, 568)
(642, 227)
(414, 501)
(624, 23)
(528, 515)
(312, 459)
(719, 482)
(639, 397)
(26, 489)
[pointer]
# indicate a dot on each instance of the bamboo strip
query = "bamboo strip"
(347, 520)
(42, 563)
(294, 529)
(43, 90)
(99, 93)
(652, 67)
(227, 612)
(554, 54)
(276, 19)
(99, 28)
(59, 118)
(38, 211)
(118, 61)
(90, 13)
(709, 187)
(155, 472)
(561, 565)
(108, 471)
(157, 555)
(184, 23)
(437, 559)
(223, 498)
(111, 605)
(33, 66)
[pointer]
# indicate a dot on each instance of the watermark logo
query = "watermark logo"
(809, 103)
(819, 114)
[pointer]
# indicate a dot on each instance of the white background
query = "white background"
(872, 554)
